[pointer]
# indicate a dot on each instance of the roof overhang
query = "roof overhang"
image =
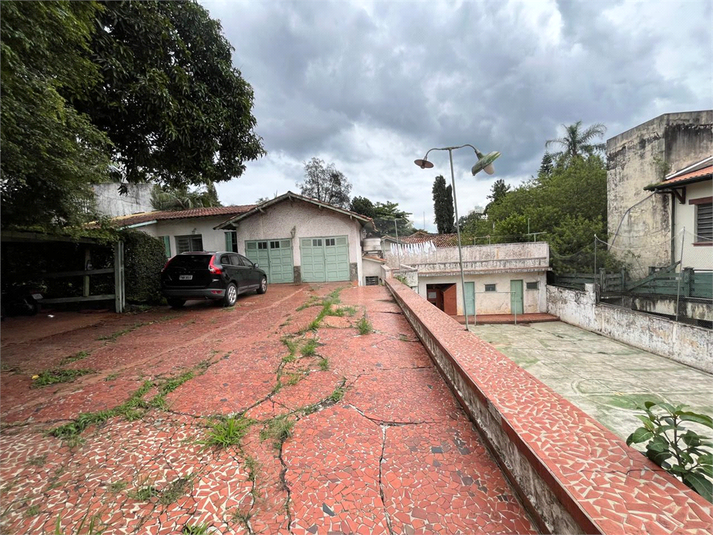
(676, 183)
(231, 224)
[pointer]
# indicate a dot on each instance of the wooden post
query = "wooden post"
(119, 295)
(87, 262)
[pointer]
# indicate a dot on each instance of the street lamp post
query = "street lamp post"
(485, 162)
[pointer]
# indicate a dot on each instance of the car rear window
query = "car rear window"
(191, 261)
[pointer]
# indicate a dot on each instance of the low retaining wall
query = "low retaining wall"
(683, 343)
(573, 474)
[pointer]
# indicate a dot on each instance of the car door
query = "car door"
(251, 272)
(228, 267)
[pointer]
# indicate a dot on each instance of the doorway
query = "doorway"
(443, 296)
(516, 304)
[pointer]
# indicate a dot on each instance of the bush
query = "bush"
(144, 258)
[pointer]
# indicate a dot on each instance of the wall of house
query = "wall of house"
(497, 302)
(677, 341)
(213, 240)
(695, 256)
(297, 219)
(110, 203)
(370, 268)
(636, 159)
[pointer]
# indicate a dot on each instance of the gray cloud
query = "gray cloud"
(371, 86)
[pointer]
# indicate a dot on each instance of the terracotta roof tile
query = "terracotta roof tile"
(145, 217)
(706, 171)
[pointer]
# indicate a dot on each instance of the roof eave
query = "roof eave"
(664, 187)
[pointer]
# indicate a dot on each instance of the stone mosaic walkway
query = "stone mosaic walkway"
(332, 431)
(603, 377)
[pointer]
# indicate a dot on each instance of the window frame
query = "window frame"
(491, 287)
(191, 241)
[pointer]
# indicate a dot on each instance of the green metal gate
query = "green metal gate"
(273, 256)
(325, 259)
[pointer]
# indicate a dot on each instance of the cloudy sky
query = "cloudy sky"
(371, 86)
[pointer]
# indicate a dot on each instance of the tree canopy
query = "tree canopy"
(577, 141)
(443, 206)
(51, 153)
(184, 198)
(144, 91)
(388, 217)
(325, 183)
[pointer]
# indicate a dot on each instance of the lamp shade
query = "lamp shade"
(485, 163)
(423, 164)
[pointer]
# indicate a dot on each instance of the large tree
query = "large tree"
(184, 198)
(443, 206)
(176, 110)
(51, 154)
(577, 141)
(325, 183)
(363, 206)
(497, 193)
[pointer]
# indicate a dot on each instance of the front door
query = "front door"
(470, 299)
(516, 305)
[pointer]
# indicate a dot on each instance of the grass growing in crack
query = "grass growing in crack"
(242, 518)
(159, 401)
(177, 488)
(53, 481)
(364, 326)
(227, 432)
(337, 395)
(310, 348)
(290, 344)
(93, 528)
(252, 466)
(144, 493)
(115, 335)
(39, 460)
(111, 377)
(58, 375)
(324, 365)
(196, 529)
(74, 358)
(278, 429)
(327, 310)
(312, 301)
(32, 510)
(117, 486)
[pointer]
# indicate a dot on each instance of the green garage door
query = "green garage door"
(274, 256)
(325, 259)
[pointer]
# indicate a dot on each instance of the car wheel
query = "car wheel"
(263, 286)
(231, 295)
(176, 303)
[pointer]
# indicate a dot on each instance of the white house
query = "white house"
(299, 239)
(504, 278)
(293, 238)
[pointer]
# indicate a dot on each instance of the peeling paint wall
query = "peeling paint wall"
(683, 343)
(636, 158)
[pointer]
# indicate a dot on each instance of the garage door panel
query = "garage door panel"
(325, 259)
(274, 257)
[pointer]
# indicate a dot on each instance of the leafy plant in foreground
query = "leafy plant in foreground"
(680, 451)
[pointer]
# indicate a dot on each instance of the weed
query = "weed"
(176, 489)
(293, 378)
(32, 510)
(73, 358)
(53, 481)
(51, 377)
(114, 336)
(159, 401)
(144, 493)
(312, 301)
(40, 460)
(196, 529)
(324, 365)
(111, 377)
(291, 345)
(364, 326)
(252, 466)
(242, 518)
(8, 368)
(314, 324)
(227, 431)
(289, 358)
(350, 311)
(403, 338)
(309, 349)
(117, 486)
(278, 429)
(93, 528)
(337, 395)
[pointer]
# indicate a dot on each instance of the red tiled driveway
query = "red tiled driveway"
(372, 440)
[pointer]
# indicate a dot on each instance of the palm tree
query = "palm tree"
(182, 198)
(576, 141)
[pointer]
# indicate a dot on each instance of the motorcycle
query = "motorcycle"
(20, 300)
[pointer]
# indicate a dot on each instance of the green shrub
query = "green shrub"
(680, 451)
(144, 258)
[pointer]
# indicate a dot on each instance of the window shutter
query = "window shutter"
(167, 245)
(228, 241)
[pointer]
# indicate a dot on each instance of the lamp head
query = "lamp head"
(423, 164)
(485, 163)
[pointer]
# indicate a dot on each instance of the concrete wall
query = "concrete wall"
(695, 256)
(683, 343)
(482, 256)
(109, 203)
(497, 302)
(297, 219)
(643, 235)
(371, 268)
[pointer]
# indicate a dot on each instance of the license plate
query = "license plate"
(185, 277)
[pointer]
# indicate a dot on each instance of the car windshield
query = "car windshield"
(191, 261)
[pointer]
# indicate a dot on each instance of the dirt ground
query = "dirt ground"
(310, 409)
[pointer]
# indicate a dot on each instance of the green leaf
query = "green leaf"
(698, 418)
(659, 443)
(648, 424)
(658, 456)
(706, 458)
(667, 407)
(691, 439)
(700, 484)
(640, 435)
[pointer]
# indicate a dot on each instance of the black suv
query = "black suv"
(220, 276)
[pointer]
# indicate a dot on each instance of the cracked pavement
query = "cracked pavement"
(374, 441)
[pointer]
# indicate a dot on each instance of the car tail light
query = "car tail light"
(217, 270)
